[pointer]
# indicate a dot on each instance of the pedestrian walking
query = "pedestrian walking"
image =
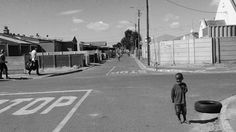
(3, 65)
(118, 53)
(178, 97)
(34, 61)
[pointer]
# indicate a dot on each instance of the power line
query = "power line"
(193, 9)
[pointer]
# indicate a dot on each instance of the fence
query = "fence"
(15, 64)
(225, 50)
(190, 51)
(60, 59)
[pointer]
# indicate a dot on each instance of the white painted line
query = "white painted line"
(70, 114)
(45, 92)
(111, 70)
(67, 117)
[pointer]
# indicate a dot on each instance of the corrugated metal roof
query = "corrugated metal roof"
(215, 22)
(13, 40)
(96, 43)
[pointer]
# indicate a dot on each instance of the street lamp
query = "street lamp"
(148, 38)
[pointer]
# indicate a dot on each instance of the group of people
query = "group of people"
(33, 61)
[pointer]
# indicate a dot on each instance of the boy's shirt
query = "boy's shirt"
(178, 93)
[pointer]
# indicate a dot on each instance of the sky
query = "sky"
(103, 20)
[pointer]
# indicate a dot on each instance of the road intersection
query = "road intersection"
(114, 96)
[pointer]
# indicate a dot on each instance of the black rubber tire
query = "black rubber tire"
(208, 106)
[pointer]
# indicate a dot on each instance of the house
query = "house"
(92, 45)
(224, 24)
(69, 45)
(191, 35)
(205, 24)
(13, 45)
(52, 45)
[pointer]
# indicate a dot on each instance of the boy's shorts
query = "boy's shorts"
(180, 109)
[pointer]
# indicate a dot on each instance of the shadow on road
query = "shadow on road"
(65, 73)
(203, 121)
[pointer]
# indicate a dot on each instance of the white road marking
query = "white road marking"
(70, 114)
(3, 101)
(25, 110)
(44, 92)
(57, 104)
(129, 72)
(15, 102)
(124, 72)
(111, 70)
(60, 102)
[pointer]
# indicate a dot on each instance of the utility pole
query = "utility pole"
(139, 33)
(148, 38)
(135, 43)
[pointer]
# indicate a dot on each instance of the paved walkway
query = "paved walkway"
(48, 72)
(194, 68)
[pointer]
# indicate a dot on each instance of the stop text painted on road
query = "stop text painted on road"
(39, 103)
(60, 102)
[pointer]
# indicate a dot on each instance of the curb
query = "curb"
(44, 75)
(224, 119)
(67, 72)
(143, 67)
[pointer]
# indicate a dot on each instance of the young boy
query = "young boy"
(178, 97)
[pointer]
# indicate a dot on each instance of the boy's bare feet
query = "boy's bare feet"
(186, 121)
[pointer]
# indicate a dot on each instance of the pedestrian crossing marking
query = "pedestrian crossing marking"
(128, 72)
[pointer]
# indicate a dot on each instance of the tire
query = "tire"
(208, 106)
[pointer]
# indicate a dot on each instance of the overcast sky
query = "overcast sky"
(102, 20)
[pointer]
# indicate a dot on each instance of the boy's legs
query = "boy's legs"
(184, 112)
(178, 111)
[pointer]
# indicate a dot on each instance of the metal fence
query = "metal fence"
(53, 60)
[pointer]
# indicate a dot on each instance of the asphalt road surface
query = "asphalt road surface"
(116, 96)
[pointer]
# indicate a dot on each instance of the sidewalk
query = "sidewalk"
(47, 72)
(193, 68)
(225, 121)
(228, 114)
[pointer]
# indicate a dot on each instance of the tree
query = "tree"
(125, 42)
(131, 40)
(136, 38)
(118, 45)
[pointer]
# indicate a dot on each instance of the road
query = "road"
(116, 96)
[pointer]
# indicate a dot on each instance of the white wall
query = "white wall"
(192, 51)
